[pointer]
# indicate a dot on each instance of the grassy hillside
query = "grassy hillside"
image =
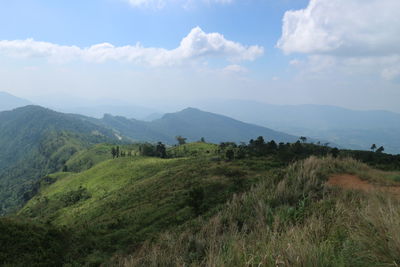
(119, 203)
(203, 208)
(289, 220)
(36, 141)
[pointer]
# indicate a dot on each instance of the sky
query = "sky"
(174, 52)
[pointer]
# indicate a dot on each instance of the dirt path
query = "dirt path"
(347, 181)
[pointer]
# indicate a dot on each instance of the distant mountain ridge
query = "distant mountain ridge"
(193, 124)
(349, 128)
(9, 102)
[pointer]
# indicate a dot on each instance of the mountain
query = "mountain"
(9, 102)
(193, 124)
(35, 141)
(348, 128)
(97, 111)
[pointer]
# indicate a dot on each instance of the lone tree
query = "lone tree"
(373, 147)
(181, 140)
(161, 150)
(113, 152)
(380, 149)
(303, 139)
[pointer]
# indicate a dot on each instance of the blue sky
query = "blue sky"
(149, 51)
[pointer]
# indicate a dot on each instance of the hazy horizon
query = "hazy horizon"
(172, 54)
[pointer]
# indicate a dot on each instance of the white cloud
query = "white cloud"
(197, 45)
(235, 69)
(147, 3)
(158, 4)
(355, 32)
(365, 27)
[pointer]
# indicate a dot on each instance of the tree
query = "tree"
(181, 140)
(202, 140)
(272, 146)
(303, 139)
(117, 151)
(335, 152)
(161, 150)
(373, 147)
(113, 152)
(147, 149)
(380, 149)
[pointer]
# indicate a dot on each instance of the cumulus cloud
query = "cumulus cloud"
(350, 30)
(343, 26)
(197, 45)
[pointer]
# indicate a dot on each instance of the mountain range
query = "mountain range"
(36, 141)
(193, 124)
(354, 129)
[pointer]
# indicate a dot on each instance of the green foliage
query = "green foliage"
(24, 243)
(72, 197)
(197, 149)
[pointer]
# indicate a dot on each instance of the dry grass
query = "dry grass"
(289, 221)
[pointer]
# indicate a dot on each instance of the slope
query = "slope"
(119, 203)
(292, 219)
(36, 141)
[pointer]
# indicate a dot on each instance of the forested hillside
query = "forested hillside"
(36, 141)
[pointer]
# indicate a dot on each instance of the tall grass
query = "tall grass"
(288, 220)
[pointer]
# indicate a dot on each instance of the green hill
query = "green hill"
(119, 203)
(204, 211)
(36, 141)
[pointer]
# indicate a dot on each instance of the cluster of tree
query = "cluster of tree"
(285, 151)
(116, 152)
(288, 152)
(374, 148)
(157, 150)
